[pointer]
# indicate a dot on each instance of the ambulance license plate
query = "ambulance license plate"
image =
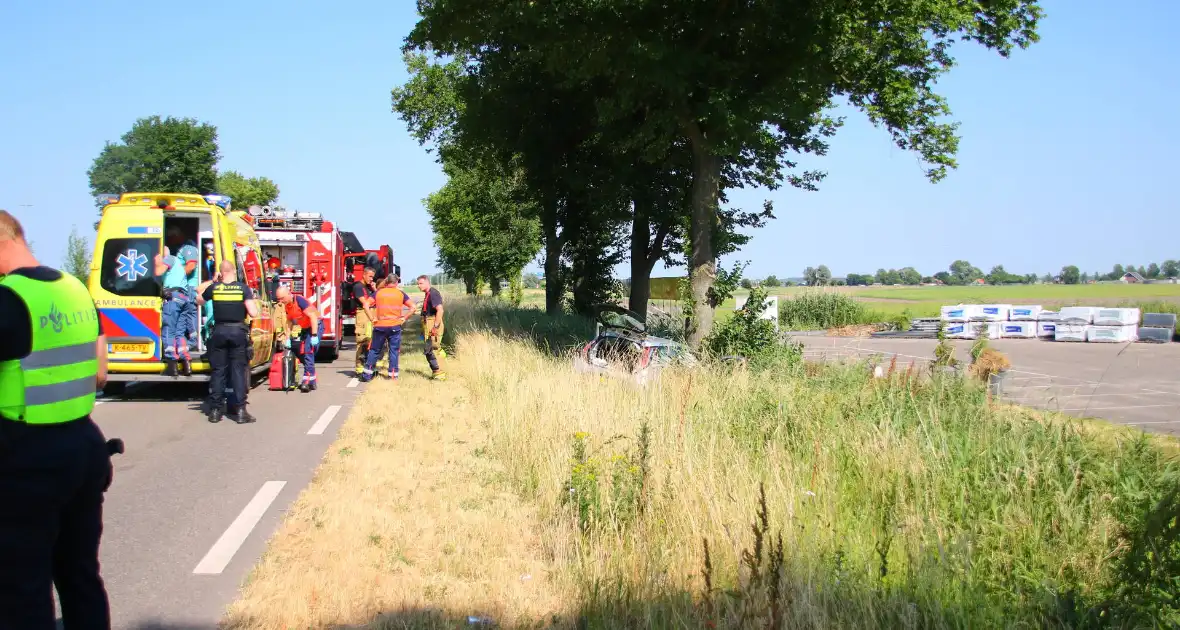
(130, 348)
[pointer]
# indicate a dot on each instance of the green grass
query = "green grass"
(824, 497)
(1031, 292)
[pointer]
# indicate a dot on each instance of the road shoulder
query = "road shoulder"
(405, 518)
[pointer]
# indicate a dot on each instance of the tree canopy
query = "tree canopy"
(159, 155)
(646, 112)
(246, 192)
(173, 155)
(483, 227)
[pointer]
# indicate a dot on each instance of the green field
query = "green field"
(926, 301)
(889, 303)
(1056, 293)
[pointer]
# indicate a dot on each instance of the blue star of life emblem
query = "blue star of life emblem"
(132, 265)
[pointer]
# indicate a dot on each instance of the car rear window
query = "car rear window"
(127, 267)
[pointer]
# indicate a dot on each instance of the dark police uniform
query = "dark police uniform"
(54, 461)
(227, 347)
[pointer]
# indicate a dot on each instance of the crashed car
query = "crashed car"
(623, 348)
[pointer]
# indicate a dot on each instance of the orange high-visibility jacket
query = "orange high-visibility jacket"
(390, 303)
(297, 313)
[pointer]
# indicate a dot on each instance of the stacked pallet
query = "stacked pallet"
(1157, 327)
(1098, 325)
(1095, 325)
(925, 325)
(970, 321)
(1073, 323)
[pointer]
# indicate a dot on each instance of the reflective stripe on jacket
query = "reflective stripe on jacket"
(56, 382)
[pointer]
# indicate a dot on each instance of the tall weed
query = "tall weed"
(819, 309)
(888, 502)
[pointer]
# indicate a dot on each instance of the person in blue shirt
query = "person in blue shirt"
(178, 268)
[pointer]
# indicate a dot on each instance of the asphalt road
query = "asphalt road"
(1136, 384)
(193, 503)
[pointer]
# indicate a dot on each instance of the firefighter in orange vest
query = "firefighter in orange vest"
(365, 294)
(302, 314)
(393, 306)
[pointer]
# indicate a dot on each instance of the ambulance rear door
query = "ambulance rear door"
(124, 286)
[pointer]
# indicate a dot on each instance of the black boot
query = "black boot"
(305, 387)
(186, 367)
(242, 416)
(214, 411)
(169, 366)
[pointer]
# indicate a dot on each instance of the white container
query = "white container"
(1078, 314)
(1024, 313)
(1049, 316)
(1070, 332)
(1046, 329)
(959, 313)
(993, 312)
(1018, 330)
(991, 329)
(1112, 334)
(958, 330)
(1116, 317)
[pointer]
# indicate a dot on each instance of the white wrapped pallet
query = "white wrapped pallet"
(991, 329)
(1049, 316)
(1070, 332)
(958, 330)
(1112, 334)
(1018, 330)
(1116, 317)
(1024, 313)
(1046, 329)
(959, 313)
(993, 312)
(1078, 314)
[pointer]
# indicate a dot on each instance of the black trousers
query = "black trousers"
(52, 480)
(227, 355)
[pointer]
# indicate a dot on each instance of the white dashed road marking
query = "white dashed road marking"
(325, 419)
(353, 383)
(224, 549)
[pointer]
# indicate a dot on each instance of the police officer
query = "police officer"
(232, 301)
(54, 462)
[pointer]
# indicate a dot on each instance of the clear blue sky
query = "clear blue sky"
(1066, 146)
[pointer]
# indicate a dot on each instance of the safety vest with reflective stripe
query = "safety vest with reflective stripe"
(297, 315)
(390, 307)
(56, 382)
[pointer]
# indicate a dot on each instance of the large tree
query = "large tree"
(1070, 274)
(752, 80)
(247, 191)
(484, 224)
(159, 155)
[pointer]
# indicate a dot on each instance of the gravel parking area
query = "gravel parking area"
(1134, 384)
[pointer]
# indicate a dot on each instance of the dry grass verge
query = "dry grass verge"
(794, 497)
(405, 525)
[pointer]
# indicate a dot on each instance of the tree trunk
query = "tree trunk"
(494, 282)
(554, 287)
(702, 263)
(469, 281)
(641, 259)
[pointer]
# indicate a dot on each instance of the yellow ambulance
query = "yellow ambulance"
(134, 229)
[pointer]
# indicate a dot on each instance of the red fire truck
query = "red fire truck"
(306, 253)
(380, 259)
